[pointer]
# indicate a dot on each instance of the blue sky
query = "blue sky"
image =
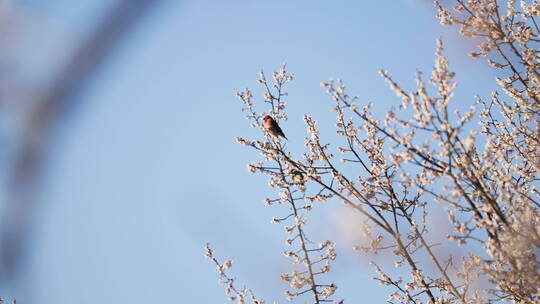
(146, 170)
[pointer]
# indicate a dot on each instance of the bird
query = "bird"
(297, 176)
(271, 126)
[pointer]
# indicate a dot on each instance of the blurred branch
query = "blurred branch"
(48, 112)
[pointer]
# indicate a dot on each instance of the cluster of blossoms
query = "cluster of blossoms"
(233, 293)
(481, 166)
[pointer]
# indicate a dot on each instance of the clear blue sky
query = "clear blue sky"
(147, 170)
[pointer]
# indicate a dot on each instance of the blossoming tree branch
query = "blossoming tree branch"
(480, 166)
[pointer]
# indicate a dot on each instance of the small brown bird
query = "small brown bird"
(297, 176)
(271, 126)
